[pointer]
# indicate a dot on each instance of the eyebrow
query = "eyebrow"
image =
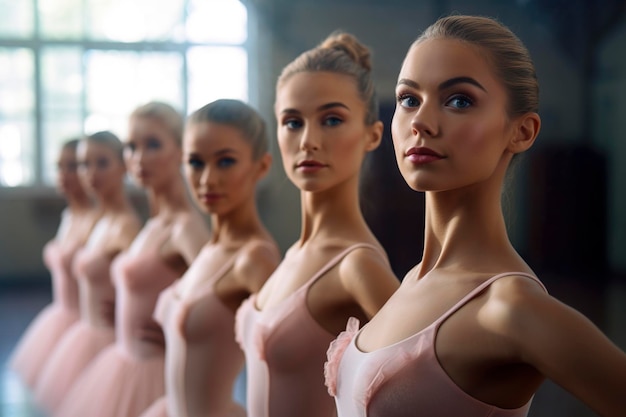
(446, 84)
(320, 108)
(224, 151)
(219, 152)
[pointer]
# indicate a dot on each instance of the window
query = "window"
(69, 67)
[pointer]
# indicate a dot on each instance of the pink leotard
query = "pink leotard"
(202, 357)
(285, 351)
(127, 377)
(45, 332)
(86, 338)
(405, 378)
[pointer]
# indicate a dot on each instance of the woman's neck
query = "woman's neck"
(79, 203)
(115, 202)
(331, 212)
(169, 198)
(465, 229)
(238, 225)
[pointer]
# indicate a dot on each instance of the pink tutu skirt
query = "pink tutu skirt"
(39, 339)
(115, 385)
(78, 347)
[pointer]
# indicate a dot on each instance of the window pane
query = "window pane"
(61, 19)
(62, 86)
(135, 21)
(117, 82)
(216, 72)
(16, 18)
(221, 21)
(17, 158)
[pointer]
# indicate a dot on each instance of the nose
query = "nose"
(310, 139)
(425, 120)
(208, 178)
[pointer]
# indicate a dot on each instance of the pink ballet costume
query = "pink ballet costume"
(86, 338)
(202, 358)
(128, 376)
(43, 334)
(285, 351)
(404, 378)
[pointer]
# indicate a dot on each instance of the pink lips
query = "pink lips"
(309, 165)
(422, 155)
(209, 198)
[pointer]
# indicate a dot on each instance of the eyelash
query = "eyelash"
(463, 97)
(401, 98)
(330, 121)
(226, 162)
(195, 163)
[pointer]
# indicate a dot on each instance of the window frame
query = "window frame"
(37, 44)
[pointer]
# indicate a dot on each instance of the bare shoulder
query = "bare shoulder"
(189, 222)
(362, 263)
(129, 224)
(366, 275)
(256, 261)
(536, 323)
(514, 302)
(558, 341)
(189, 234)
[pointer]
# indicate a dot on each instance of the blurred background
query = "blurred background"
(77, 66)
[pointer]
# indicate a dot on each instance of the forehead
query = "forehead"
(435, 60)
(204, 137)
(90, 148)
(142, 125)
(67, 153)
(306, 91)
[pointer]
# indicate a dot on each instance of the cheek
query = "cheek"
(284, 145)
(479, 136)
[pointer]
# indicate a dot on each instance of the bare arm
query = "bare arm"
(567, 348)
(368, 278)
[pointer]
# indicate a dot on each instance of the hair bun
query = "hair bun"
(349, 45)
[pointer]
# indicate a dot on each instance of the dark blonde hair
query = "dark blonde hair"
(239, 115)
(340, 53)
(164, 113)
(110, 140)
(505, 52)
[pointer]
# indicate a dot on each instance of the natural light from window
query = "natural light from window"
(96, 60)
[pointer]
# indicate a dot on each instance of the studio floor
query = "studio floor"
(19, 305)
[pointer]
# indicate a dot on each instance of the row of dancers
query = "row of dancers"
(158, 319)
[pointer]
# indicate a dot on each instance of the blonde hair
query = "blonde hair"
(164, 113)
(340, 53)
(110, 140)
(506, 53)
(239, 115)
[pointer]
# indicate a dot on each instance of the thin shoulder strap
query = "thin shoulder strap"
(472, 294)
(334, 261)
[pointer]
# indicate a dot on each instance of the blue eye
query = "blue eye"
(332, 121)
(153, 143)
(195, 163)
(102, 163)
(460, 102)
(226, 162)
(407, 101)
(293, 123)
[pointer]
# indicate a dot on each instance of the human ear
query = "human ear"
(527, 128)
(375, 135)
(264, 165)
